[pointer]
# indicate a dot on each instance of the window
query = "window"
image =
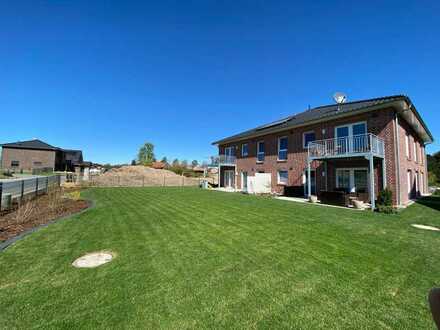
(283, 177)
(407, 145)
(229, 151)
(244, 150)
(416, 183)
(307, 138)
(38, 163)
(352, 179)
(360, 178)
(343, 179)
(282, 148)
(15, 163)
(415, 151)
(351, 130)
(351, 138)
(422, 154)
(260, 151)
(408, 174)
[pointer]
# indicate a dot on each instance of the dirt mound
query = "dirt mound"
(139, 170)
(134, 176)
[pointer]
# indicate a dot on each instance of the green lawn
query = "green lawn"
(188, 258)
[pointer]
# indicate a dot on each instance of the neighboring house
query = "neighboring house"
(358, 147)
(36, 154)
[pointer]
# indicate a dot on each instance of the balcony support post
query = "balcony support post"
(384, 173)
(219, 175)
(309, 186)
(372, 192)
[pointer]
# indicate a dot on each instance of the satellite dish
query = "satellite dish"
(339, 97)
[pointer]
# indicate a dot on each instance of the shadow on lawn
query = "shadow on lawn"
(430, 201)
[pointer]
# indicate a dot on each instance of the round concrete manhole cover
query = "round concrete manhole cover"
(94, 259)
(426, 227)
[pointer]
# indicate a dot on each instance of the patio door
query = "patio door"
(352, 179)
(229, 179)
(351, 138)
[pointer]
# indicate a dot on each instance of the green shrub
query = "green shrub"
(385, 202)
(385, 197)
(387, 209)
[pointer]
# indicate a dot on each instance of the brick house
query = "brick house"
(36, 154)
(356, 147)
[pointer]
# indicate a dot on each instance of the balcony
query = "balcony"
(350, 146)
(223, 160)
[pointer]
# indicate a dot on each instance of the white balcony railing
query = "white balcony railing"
(223, 160)
(348, 146)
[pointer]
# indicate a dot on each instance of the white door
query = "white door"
(244, 176)
(229, 179)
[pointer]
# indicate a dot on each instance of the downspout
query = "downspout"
(397, 153)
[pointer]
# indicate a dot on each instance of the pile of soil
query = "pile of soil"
(139, 170)
(133, 176)
(43, 213)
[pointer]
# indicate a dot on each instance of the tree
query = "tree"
(184, 163)
(133, 162)
(194, 163)
(146, 154)
(433, 168)
(176, 163)
(164, 160)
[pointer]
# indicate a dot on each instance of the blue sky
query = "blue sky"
(105, 76)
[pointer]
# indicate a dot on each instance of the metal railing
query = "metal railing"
(16, 190)
(223, 160)
(348, 146)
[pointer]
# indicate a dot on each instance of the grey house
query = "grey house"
(36, 154)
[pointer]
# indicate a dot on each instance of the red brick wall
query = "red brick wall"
(417, 167)
(380, 123)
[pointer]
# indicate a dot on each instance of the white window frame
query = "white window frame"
(231, 148)
(415, 150)
(242, 180)
(350, 128)
(242, 151)
(416, 181)
(286, 150)
(407, 145)
(279, 178)
(409, 182)
(351, 179)
(258, 151)
(304, 138)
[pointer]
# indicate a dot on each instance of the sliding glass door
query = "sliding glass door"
(352, 179)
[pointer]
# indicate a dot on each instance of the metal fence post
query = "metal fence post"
(22, 191)
(164, 180)
(47, 184)
(36, 186)
(119, 181)
(143, 181)
(1, 195)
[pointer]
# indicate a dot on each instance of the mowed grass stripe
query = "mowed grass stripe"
(189, 258)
